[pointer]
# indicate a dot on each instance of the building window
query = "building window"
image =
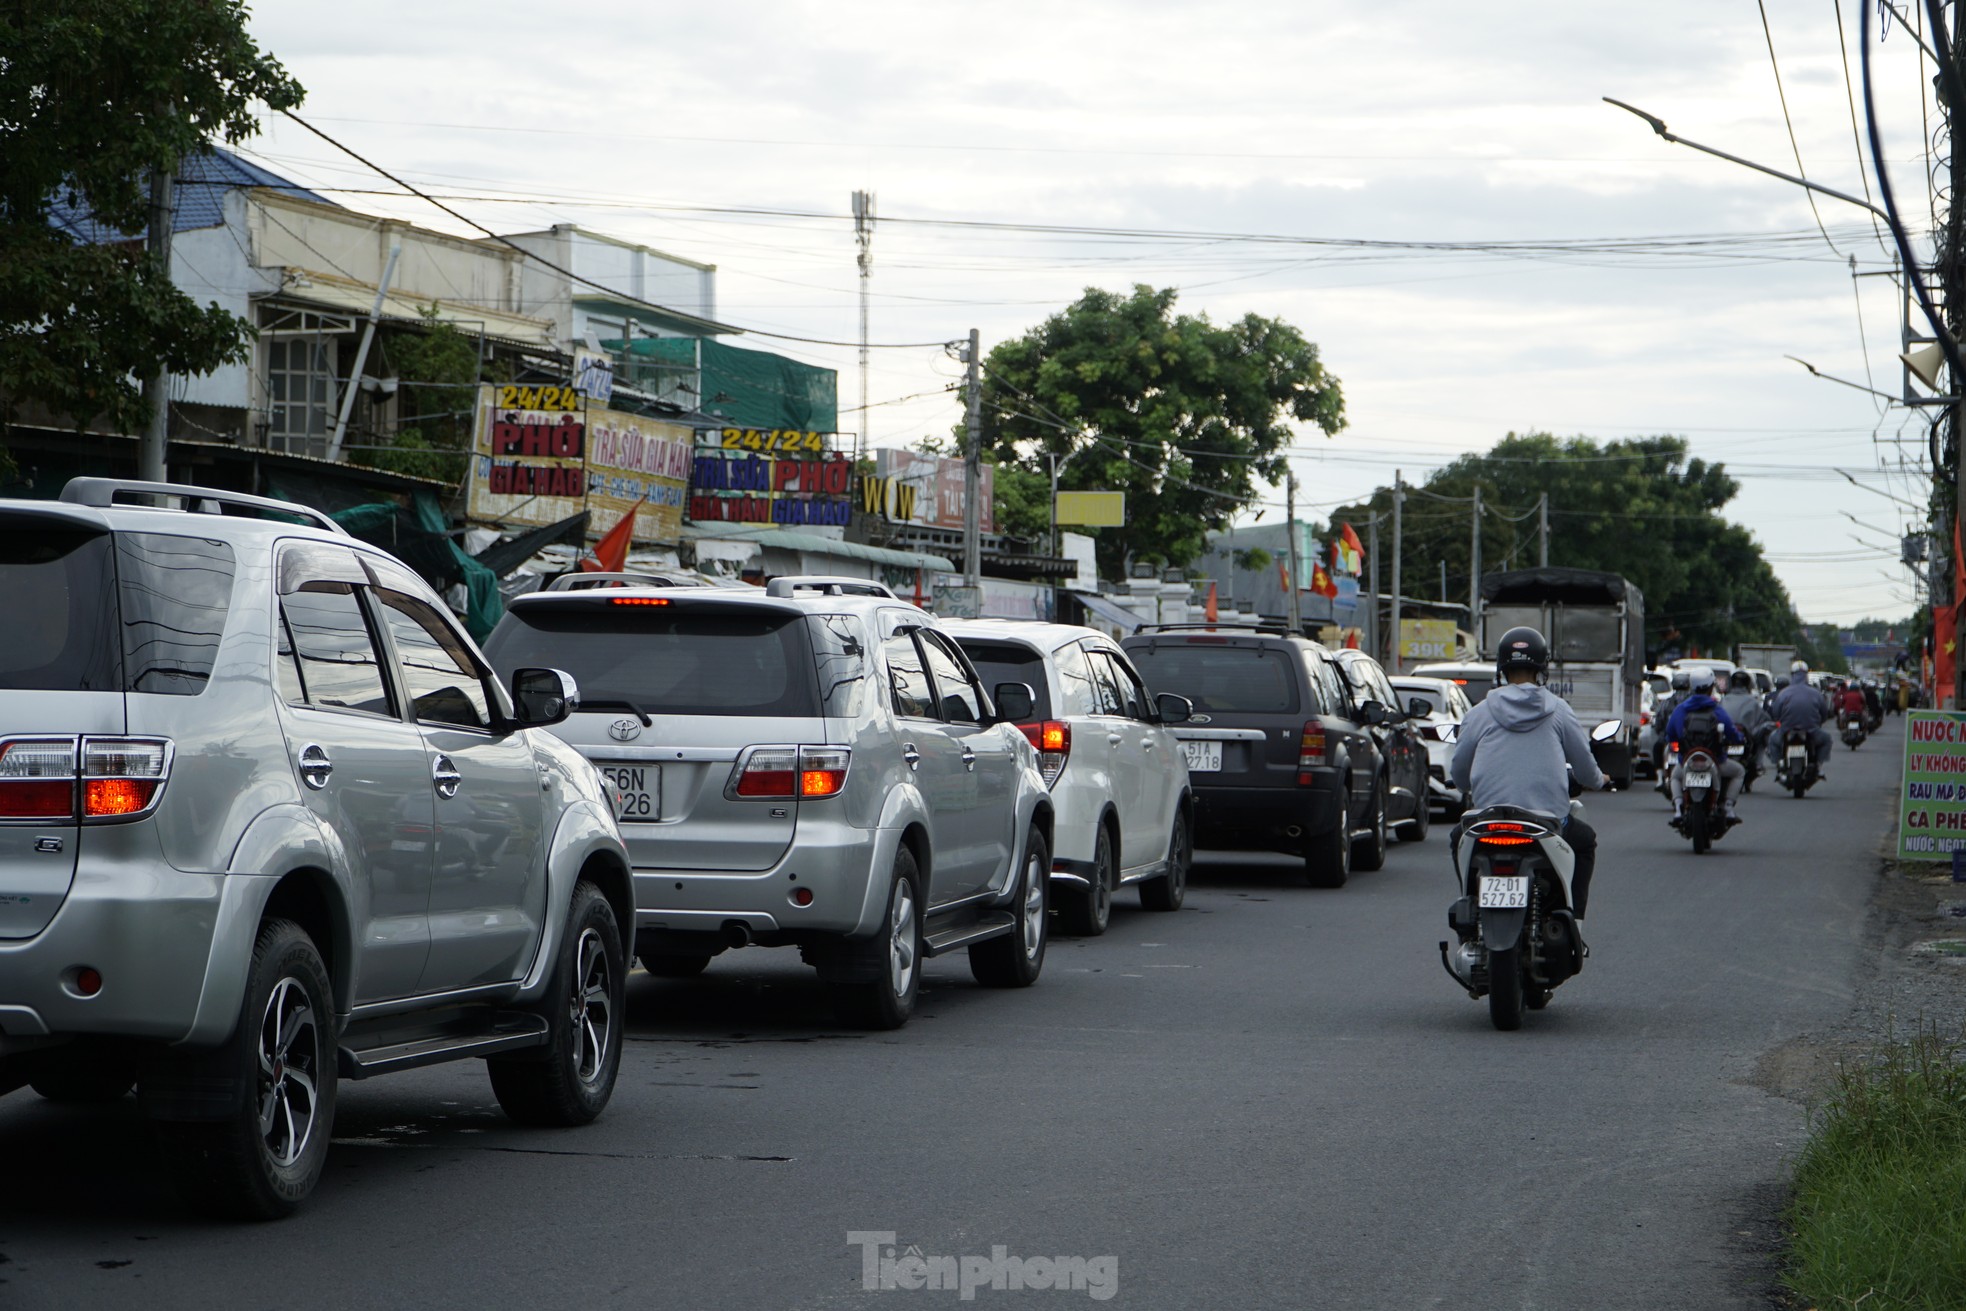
(299, 394)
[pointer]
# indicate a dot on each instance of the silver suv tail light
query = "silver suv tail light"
(123, 776)
(790, 773)
(101, 778)
(37, 779)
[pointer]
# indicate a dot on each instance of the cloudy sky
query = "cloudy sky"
(1406, 120)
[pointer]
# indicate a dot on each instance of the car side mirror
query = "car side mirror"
(542, 697)
(1016, 702)
(1373, 713)
(1174, 708)
(1417, 708)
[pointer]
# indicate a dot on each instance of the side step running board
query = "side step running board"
(992, 924)
(509, 1031)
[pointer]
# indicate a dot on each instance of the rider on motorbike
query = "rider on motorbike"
(1743, 705)
(1700, 714)
(1800, 706)
(1513, 747)
(1661, 760)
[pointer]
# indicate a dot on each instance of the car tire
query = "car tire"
(886, 1001)
(1015, 959)
(569, 1080)
(1328, 857)
(1086, 914)
(1169, 890)
(674, 967)
(1415, 829)
(1369, 852)
(262, 1160)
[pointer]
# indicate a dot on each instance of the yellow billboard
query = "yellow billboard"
(1092, 509)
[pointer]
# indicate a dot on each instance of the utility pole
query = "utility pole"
(368, 339)
(1543, 527)
(157, 387)
(973, 467)
(1474, 572)
(863, 236)
(1399, 500)
(1953, 284)
(1372, 585)
(1292, 607)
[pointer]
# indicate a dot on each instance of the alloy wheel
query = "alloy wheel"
(592, 1007)
(901, 946)
(1033, 912)
(289, 1053)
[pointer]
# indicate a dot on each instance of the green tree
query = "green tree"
(95, 96)
(1186, 416)
(437, 372)
(1638, 507)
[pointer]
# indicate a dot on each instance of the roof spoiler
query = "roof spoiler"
(792, 584)
(104, 493)
(575, 581)
(1281, 630)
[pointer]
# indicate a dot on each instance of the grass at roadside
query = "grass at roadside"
(1879, 1215)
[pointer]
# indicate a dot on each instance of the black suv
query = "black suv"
(1399, 742)
(1281, 755)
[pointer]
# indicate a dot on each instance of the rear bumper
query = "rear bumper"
(835, 862)
(1267, 819)
(150, 931)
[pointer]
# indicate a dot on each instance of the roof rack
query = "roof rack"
(1281, 630)
(575, 581)
(792, 584)
(104, 493)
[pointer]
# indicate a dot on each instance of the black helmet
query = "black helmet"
(1741, 681)
(1521, 648)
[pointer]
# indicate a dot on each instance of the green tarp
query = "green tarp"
(748, 389)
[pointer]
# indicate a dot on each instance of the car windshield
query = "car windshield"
(70, 593)
(1252, 679)
(1010, 662)
(674, 660)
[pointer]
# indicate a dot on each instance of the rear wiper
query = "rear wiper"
(618, 704)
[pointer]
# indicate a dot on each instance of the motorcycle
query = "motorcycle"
(1703, 818)
(1517, 937)
(1796, 769)
(1853, 729)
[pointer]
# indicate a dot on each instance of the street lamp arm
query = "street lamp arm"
(1659, 125)
(1843, 382)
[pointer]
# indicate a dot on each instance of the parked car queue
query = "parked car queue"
(383, 847)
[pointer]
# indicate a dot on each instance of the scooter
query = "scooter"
(1796, 768)
(1853, 730)
(1517, 936)
(1702, 817)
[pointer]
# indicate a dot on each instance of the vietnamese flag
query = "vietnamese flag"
(1354, 549)
(1321, 583)
(611, 552)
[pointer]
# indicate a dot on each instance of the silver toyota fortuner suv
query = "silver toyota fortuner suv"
(813, 765)
(267, 820)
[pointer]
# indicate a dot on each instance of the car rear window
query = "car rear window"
(1435, 699)
(95, 612)
(674, 660)
(1010, 662)
(1218, 679)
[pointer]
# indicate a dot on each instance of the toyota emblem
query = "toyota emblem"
(625, 730)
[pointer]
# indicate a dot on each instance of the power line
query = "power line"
(1850, 97)
(1782, 96)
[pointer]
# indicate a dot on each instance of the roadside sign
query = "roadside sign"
(1092, 509)
(1932, 798)
(1426, 639)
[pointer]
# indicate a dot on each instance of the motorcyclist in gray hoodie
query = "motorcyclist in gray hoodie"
(1800, 706)
(1513, 747)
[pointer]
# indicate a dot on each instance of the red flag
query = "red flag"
(611, 552)
(1283, 575)
(1351, 639)
(1208, 610)
(1354, 552)
(1944, 656)
(1321, 582)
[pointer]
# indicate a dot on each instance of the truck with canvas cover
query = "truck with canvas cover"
(1595, 624)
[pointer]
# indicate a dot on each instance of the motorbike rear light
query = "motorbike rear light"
(37, 780)
(1310, 751)
(1504, 840)
(1053, 739)
(769, 774)
(121, 777)
(822, 771)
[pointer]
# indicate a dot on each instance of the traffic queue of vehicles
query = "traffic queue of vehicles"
(269, 819)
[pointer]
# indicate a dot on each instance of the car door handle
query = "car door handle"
(315, 766)
(969, 759)
(444, 777)
(1115, 738)
(911, 755)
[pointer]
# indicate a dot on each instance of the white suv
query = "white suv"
(1117, 773)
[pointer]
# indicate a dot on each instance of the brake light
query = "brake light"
(37, 780)
(1504, 841)
(1310, 751)
(1644, 718)
(786, 773)
(122, 776)
(1053, 739)
(638, 600)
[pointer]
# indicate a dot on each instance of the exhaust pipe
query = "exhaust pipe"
(737, 933)
(1293, 831)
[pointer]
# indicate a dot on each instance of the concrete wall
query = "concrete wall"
(210, 266)
(637, 272)
(297, 234)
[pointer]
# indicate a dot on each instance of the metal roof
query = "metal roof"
(199, 194)
(787, 540)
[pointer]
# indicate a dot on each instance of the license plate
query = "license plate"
(1797, 755)
(1203, 757)
(637, 791)
(1699, 780)
(1504, 892)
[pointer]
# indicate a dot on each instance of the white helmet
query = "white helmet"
(1798, 667)
(1702, 679)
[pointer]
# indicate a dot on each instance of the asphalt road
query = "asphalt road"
(1272, 1099)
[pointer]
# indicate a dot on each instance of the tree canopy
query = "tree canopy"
(95, 96)
(1638, 507)
(1186, 416)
